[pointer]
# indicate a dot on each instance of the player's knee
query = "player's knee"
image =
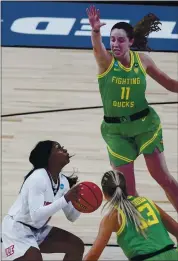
(78, 245)
(31, 254)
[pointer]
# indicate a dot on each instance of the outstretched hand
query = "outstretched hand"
(94, 18)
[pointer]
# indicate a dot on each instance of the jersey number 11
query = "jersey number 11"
(125, 93)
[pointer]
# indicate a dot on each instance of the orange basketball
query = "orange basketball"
(89, 199)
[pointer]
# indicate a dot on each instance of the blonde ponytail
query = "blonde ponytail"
(118, 199)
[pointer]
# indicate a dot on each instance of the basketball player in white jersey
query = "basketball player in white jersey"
(25, 232)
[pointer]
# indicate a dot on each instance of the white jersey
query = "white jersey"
(37, 202)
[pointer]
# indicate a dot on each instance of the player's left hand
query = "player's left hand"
(73, 193)
(94, 18)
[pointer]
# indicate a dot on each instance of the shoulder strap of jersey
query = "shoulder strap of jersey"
(138, 61)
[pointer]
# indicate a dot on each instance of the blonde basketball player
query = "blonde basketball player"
(141, 227)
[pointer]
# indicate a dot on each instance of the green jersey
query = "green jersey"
(123, 89)
(132, 241)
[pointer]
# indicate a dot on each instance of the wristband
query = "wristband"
(96, 31)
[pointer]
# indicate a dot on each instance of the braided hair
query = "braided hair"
(114, 185)
(39, 157)
(140, 32)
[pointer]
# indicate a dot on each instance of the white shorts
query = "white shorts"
(18, 238)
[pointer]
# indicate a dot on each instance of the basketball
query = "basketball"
(89, 199)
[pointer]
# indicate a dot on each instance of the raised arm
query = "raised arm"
(103, 57)
(159, 76)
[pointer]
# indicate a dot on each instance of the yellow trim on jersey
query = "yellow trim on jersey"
(108, 70)
(118, 156)
(151, 140)
(131, 63)
(123, 223)
(140, 63)
(129, 197)
(153, 205)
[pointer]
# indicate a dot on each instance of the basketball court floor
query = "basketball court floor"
(48, 79)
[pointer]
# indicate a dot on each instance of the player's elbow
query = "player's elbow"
(72, 217)
(173, 86)
(170, 84)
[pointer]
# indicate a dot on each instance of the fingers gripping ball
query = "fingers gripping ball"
(89, 198)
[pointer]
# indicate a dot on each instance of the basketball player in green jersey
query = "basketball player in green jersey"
(130, 126)
(141, 227)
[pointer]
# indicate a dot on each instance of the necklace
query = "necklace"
(55, 187)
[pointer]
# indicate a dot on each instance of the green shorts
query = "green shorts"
(169, 255)
(126, 141)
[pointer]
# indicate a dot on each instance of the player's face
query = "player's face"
(120, 43)
(59, 155)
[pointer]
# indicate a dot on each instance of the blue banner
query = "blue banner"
(59, 24)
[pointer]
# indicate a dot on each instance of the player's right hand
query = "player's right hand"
(72, 194)
(94, 17)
